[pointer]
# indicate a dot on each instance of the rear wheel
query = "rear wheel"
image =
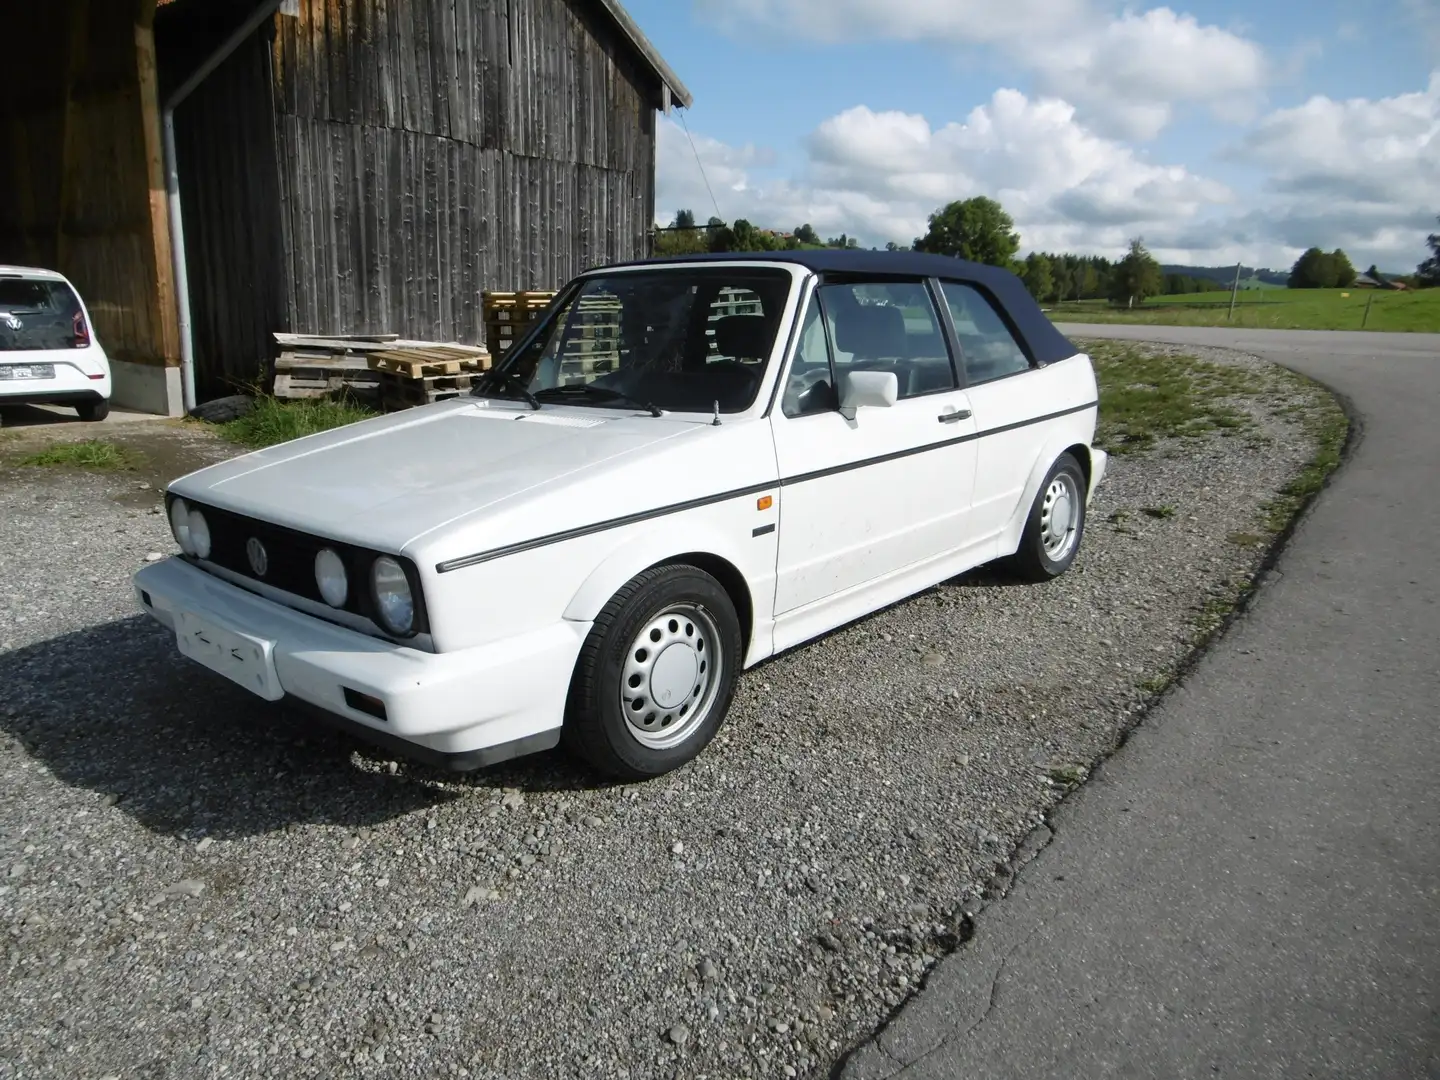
(93, 411)
(655, 675)
(1056, 524)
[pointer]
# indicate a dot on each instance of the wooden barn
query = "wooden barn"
(322, 167)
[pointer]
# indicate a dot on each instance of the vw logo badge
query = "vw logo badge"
(258, 556)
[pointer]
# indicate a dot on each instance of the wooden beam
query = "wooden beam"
(168, 314)
(74, 60)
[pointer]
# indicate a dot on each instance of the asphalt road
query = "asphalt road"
(1250, 887)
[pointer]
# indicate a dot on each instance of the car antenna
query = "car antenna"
(716, 422)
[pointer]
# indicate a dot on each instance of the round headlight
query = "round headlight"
(330, 578)
(180, 525)
(392, 596)
(199, 534)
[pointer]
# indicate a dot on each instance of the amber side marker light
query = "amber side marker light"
(371, 706)
(764, 502)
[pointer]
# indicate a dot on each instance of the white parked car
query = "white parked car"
(48, 351)
(684, 467)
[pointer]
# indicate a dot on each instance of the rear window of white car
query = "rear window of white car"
(38, 313)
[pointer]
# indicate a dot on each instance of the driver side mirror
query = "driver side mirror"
(876, 389)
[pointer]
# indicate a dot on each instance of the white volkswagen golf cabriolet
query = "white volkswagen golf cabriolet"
(685, 466)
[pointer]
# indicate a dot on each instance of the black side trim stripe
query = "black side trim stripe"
(850, 466)
(738, 493)
(763, 530)
(599, 526)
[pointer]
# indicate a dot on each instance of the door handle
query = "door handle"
(952, 417)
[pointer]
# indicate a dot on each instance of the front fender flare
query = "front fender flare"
(631, 556)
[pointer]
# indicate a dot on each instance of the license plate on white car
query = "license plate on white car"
(245, 660)
(27, 371)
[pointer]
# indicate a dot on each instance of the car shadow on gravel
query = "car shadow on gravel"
(115, 710)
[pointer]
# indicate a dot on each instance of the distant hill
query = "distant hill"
(1250, 277)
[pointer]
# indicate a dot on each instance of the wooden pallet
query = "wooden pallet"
(402, 392)
(416, 363)
(315, 374)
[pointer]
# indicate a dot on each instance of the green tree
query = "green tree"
(1038, 275)
(685, 219)
(1315, 270)
(1088, 282)
(1343, 270)
(976, 229)
(1427, 274)
(1136, 276)
(806, 234)
(1064, 277)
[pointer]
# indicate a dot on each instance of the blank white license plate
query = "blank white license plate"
(27, 371)
(245, 660)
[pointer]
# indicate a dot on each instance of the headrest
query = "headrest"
(871, 330)
(743, 335)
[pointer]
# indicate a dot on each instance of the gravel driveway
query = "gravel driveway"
(194, 884)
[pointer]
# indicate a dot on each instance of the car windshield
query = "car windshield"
(683, 339)
(37, 314)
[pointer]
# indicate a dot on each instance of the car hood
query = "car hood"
(388, 481)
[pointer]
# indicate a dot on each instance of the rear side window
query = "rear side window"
(40, 314)
(988, 348)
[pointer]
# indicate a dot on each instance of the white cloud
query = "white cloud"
(1360, 174)
(878, 175)
(1126, 73)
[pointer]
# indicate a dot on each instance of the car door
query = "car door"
(1015, 404)
(865, 497)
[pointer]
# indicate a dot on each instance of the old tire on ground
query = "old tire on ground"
(1056, 524)
(655, 675)
(93, 411)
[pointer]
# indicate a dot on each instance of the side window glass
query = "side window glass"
(890, 326)
(810, 386)
(987, 347)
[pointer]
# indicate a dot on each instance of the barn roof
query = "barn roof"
(1045, 342)
(631, 32)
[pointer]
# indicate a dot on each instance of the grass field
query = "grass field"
(1273, 309)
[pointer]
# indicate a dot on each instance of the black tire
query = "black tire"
(93, 411)
(596, 728)
(1032, 562)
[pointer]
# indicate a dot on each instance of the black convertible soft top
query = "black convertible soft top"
(1044, 342)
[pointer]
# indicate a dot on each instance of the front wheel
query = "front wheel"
(655, 675)
(1056, 524)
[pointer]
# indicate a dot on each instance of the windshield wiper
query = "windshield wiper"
(501, 377)
(603, 392)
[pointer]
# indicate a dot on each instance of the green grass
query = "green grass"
(273, 421)
(1145, 397)
(90, 454)
(1325, 423)
(1417, 311)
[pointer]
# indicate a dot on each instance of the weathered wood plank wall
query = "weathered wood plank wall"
(75, 176)
(230, 193)
(432, 149)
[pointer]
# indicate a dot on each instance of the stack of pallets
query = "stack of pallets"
(422, 375)
(316, 367)
(507, 315)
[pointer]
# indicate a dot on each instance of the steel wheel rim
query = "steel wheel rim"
(669, 681)
(1060, 517)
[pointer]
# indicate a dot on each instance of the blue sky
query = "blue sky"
(1218, 130)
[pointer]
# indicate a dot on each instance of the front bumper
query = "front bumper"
(458, 710)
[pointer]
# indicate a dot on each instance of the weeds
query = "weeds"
(273, 421)
(89, 454)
